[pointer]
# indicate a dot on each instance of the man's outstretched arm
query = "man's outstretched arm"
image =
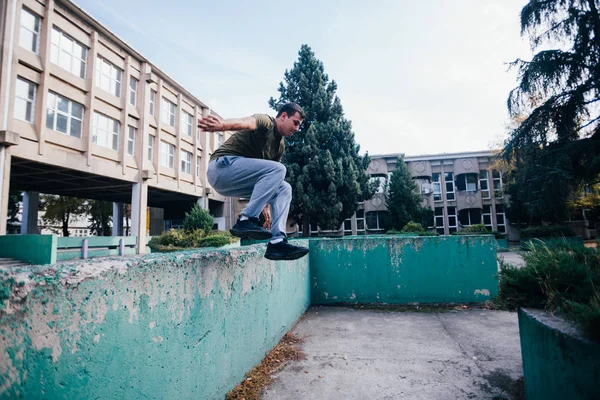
(213, 124)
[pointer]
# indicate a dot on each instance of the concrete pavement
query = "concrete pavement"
(373, 354)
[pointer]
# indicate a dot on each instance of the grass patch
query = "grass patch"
(261, 376)
(562, 279)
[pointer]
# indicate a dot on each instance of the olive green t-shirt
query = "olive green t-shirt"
(264, 142)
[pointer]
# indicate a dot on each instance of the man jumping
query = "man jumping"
(248, 164)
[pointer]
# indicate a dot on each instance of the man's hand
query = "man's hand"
(211, 124)
(266, 212)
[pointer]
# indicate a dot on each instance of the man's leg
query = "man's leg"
(280, 208)
(247, 177)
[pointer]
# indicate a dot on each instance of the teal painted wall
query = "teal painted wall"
(556, 364)
(33, 249)
(185, 325)
(400, 270)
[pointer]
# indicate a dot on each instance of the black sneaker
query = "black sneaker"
(284, 251)
(250, 228)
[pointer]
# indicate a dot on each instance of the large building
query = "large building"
(462, 189)
(83, 114)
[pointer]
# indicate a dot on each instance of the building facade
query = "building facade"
(462, 189)
(82, 114)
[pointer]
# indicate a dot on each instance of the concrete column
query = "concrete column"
(117, 229)
(31, 203)
(4, 187)
(139, 202)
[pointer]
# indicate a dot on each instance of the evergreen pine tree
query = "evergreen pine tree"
(325, 170)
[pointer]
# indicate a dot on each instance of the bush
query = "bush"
(413, 227)
(479, 229)
(393, 232)
(177, 239)
(198, 218)
(428, 233)
(564, 279)
(547, 231)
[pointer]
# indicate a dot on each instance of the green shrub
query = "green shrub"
(198, 218)
(428, 233)
(393, 232)
(412, 227)
(475, 229)
(214, 241)
(563, 279)
(177, 239)
(498, 235)
(547, 231)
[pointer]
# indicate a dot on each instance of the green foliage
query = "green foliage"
(547, 231)
(563, 279)
(412, 227)
(60, 209)
(100, 216)
(473, 229)
(198, 218)
(179, 239)
(556, 145)
(14, 198)
(403, 203)
(324, 168)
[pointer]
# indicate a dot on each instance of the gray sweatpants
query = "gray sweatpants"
(260, 180)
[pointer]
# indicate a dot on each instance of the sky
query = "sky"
(414, 77)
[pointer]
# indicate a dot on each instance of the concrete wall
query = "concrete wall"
(182, 325)
(34, 249)
(557, 362)
(400, 270)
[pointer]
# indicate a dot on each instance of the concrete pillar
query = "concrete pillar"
(29, 221)
(117, 229)
(139, 203)
(4, 187)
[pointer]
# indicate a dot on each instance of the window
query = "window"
(439, 220)
(218, 139)
(68, 53)
(25, 100)
(497, 178)
(423, 186)
(436, 163)
(108, 77)
(448, 162)
(151, 140)
(449, 179)
(466, 182)
(132, 90)
(376, 220)
(131, 141)
(469, 216)
(29, 35)
(381, 181)
(152, 101)
(198, 161)
(167, 154)
(168, 112)
(348, 226)
(437, 187)
(483, 184)
(500, 218)
(486, 217)
(198, 134)
(452, 220)
(186, 161)
(360, 221)
(106, 131)
(186, 123)
(64, 115)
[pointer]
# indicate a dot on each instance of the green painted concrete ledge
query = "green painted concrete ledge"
(162, 326)
(558, 363)
(399, 270)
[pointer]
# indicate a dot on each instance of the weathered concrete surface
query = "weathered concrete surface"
(395, 269)
(177, 326)
(512, 257)
(358, 354)
(558, 362)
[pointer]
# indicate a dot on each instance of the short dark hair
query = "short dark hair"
(291, 109)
